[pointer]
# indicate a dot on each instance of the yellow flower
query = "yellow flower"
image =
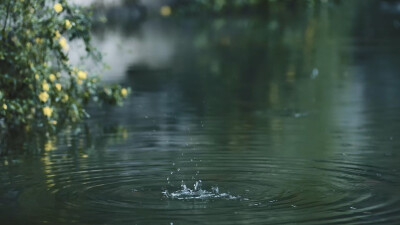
(37, 76)
(65, 98)
(63, 43)
(79, 82)
(57, 35)
(52, 77)
(54, 122)
(165, 11)
(43, 96)
(38, 40)
(45, 86)
(58, 8)
(82, 75)
(67, 24)
(58, 87)
(124, 92)
(4, 106)
(47, 111)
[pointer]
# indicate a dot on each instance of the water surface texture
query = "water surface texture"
(290, 118)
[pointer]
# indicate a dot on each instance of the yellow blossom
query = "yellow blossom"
(65, 98)
(124, 92)
(63, 43)
(57, 35)
(68, 24)
(58, 87)
(38, 40)
(52, 77)
(54, 122)
(165, 11)
(45, 86)
(4, 106)
(47, 111)
(58, 7)
(82, 75)
(37, 76)
(43, 96)
(79, 82)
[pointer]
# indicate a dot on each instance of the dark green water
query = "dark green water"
(289, 119)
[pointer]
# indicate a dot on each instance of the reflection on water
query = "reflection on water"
(290, 119)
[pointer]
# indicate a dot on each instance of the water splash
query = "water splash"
(197, 192)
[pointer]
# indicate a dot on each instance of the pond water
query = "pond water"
(291, 118)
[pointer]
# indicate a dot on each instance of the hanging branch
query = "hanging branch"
(7, 13)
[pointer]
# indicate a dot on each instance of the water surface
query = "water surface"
(285, 119)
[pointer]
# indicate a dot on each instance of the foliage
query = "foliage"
(38, 84)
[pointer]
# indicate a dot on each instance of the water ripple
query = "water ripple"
(240, 186)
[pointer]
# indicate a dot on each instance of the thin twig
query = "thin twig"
(8, 11)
